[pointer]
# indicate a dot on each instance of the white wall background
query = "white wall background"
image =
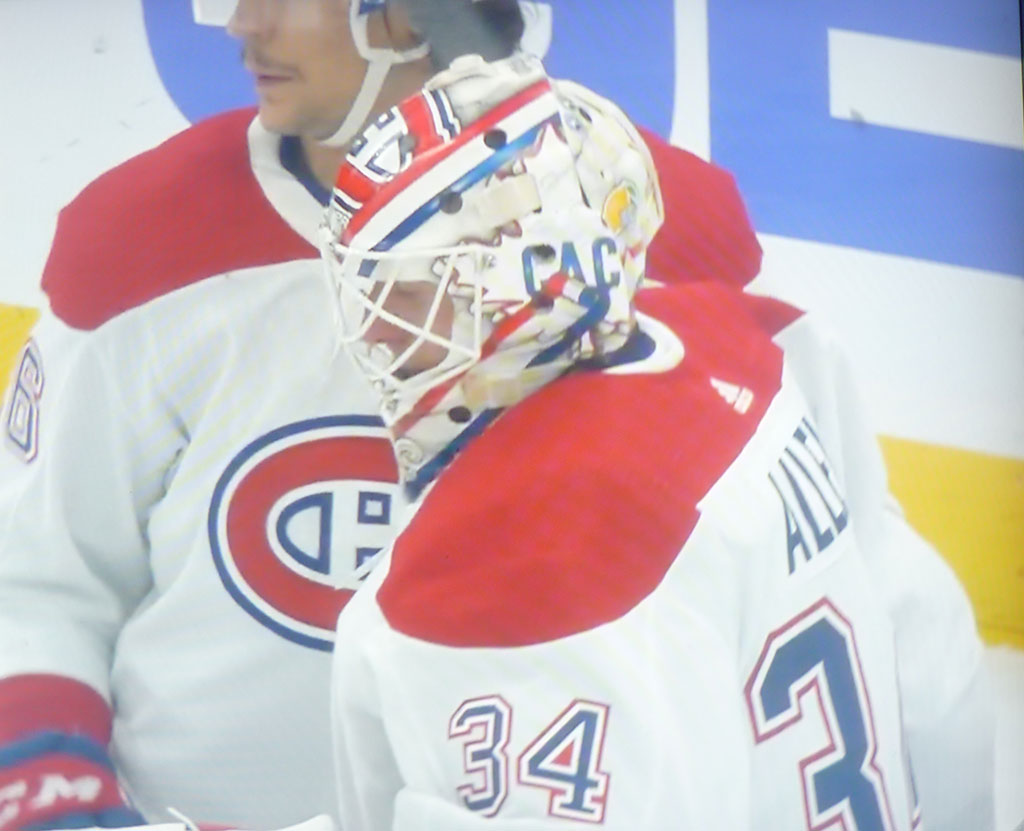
(79, 95)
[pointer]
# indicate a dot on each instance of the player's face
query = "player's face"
(303, 60)
(411, 301)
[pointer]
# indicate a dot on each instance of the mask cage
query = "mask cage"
(367, 285)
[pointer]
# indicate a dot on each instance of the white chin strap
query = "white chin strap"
(379, 63)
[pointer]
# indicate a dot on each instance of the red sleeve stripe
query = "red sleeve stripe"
(33, 703)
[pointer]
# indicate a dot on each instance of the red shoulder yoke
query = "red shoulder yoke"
(569, 510)
(188, 209)
(707, 234)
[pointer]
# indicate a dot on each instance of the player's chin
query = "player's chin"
(272, 122)
(277, 116)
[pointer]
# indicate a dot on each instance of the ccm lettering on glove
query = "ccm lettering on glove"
(55, 780)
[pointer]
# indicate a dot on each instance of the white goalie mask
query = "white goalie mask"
(519, 209)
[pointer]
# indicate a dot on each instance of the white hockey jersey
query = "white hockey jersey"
(192, 482)
(194, 479)
(653, 598)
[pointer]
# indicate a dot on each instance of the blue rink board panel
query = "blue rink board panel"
(802, 173)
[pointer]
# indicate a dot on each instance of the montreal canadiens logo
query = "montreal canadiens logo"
(298, 518)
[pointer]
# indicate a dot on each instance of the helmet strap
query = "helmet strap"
(359, 111)
(378, 63)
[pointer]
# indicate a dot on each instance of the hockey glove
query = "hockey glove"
(54, 768)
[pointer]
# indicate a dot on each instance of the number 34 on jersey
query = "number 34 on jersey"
(564, 759)
(814, 658)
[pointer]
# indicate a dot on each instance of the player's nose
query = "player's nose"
(250, 19)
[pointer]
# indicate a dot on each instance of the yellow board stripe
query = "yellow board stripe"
(971, 507)
(15, 324)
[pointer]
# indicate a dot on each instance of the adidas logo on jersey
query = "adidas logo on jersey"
(737, 397)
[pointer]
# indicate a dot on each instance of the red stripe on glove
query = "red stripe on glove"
(31, 703)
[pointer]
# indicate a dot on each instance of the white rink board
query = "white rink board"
(938, 349)
(68, 119)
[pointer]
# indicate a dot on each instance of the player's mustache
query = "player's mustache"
(254, 59)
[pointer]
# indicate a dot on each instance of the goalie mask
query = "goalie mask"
(483, 237)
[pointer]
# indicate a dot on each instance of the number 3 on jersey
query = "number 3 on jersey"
(482, 725)
(815, 654)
